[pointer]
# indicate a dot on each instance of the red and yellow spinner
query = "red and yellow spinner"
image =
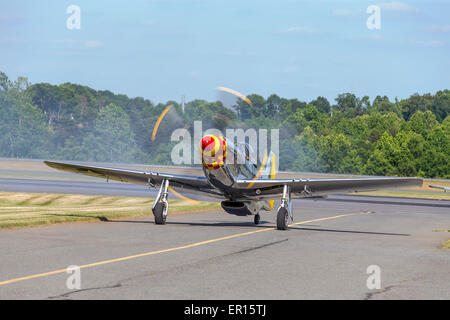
(214, 151)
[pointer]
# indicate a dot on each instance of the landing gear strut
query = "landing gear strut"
(161, 206)
(285, 209)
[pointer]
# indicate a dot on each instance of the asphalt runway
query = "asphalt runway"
(214, 255)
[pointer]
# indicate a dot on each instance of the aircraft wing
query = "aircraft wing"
(267, 188)
(440, 187)
(182, 183)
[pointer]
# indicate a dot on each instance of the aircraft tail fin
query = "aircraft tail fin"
(269, 166)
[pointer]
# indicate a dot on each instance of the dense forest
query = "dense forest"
(409, 137)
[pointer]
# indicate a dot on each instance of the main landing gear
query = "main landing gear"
(161, 206)
(285, 209)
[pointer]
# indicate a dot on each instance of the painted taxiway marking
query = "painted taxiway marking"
(192, 245)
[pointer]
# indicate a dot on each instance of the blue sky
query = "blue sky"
(161, 50)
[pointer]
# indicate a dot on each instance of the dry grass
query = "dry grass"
(425, 186)
(18, 209)
(405, 194)
(445, 245)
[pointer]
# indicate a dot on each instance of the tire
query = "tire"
(257, 218)
(282, 219)
(158, 212)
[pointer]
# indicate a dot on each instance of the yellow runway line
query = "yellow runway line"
(40, 275)
(183, 197)
(329, 218)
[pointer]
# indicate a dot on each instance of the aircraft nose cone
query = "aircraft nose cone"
(207, 141)
(214, 151)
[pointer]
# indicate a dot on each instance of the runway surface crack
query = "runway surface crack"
(370, 295)
(67, 294)
(256, 247)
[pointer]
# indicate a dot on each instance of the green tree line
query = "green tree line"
(353, 135)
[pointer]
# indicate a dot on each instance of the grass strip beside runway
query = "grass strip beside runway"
(18, 209)
(446, 245)
(405, 194)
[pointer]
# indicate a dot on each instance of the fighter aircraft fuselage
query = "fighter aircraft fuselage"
(226, 163)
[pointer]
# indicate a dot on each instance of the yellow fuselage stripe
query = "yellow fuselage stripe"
(258, 174)
(272, 176)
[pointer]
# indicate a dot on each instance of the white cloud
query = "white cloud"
(439, 28)
(11, 20)
(67, 41)
(302, 30)
(341, 12)
(193, 73)
(11, 41)
(394, 6)
(313, 85)
(92, 44)
(430, 43)
(397, 6)
(376, 37)
(149, 22)
(290, 69)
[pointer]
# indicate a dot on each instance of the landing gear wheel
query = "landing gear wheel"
(257, 218)
(282, 219)
(158, 212)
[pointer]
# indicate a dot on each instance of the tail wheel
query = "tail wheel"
(257, 218)
(282, 218)
(158, 212)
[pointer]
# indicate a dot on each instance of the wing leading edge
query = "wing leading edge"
(183, 183)
(440, 187)
(267, 188)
